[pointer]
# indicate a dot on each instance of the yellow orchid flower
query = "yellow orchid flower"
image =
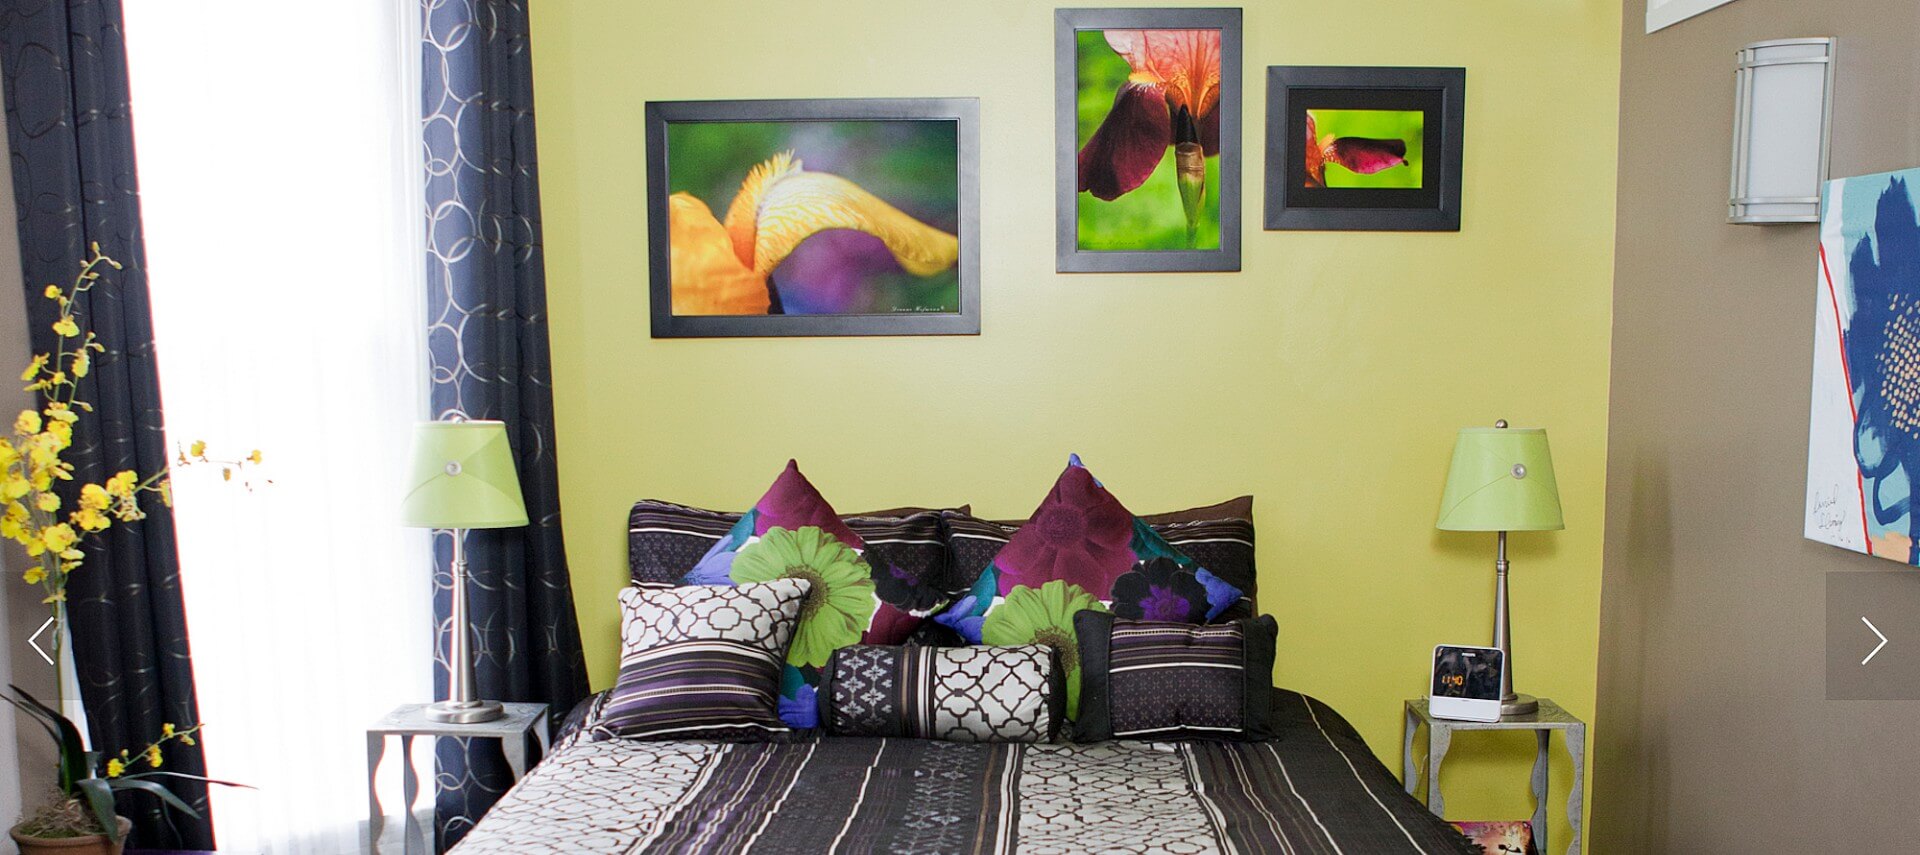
(82, 363)
(58, 537)
(115, 768)
(153, 756)
(122, 484)
(34, 575)
(724, 269)
(48, 502)
(198, 449)
(27, 424)
(66, 327)
(93, 497)
(33, 368)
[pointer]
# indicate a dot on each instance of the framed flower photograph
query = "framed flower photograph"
(814, 217)
(1147, 139)
(1364, 149)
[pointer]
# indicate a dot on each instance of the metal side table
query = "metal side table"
(408, 721)
(1551, 717)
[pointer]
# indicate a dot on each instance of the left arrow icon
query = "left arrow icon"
(1877, 633)
(33, 640)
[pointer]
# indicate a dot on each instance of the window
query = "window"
(280, 163)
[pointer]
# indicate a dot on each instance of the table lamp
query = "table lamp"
(1502, 480)
(462, 477)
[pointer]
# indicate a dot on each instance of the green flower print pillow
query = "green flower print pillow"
(793, 533)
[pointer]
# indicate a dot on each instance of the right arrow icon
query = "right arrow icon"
(1876, 632)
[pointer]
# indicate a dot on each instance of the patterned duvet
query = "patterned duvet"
(1315, 789)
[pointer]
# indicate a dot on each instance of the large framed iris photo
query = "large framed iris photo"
(1147, 140)
(814, 217)
(1364, 148)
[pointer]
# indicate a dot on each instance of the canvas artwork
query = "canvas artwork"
(1364, 148)
(1863, 451)
(813, 217)
(1149, 159)
(1149, 112)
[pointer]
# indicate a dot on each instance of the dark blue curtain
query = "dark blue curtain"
(71, 134)
(487, 338)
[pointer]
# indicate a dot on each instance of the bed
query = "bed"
(1316, 788)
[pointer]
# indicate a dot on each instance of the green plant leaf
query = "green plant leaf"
(165, 794)
(38, 719)
(73, 749)
(183, 776)
(100, 798)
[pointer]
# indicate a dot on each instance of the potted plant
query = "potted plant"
(81, 819)
(53, 530)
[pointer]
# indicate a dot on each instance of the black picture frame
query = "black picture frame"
(964, 112)
(1069, 257)
(1294, 89)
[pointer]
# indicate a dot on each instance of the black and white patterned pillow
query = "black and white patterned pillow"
(763, 614)
(701, 661)
(1159, 680)
(959, 694)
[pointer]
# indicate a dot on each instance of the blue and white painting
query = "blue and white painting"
(1863, 449)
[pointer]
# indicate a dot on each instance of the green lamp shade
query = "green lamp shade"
(462, 476)
(1501, 480)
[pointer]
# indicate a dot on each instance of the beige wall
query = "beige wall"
(1710, 595)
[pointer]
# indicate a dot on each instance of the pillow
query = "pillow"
(1082, 550)
(1218, 537)
(701, 662)
(857, 596)
(960, 694)
(665, 539)
(1161, 680)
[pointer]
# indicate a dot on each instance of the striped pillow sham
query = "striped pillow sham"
(1160, 680)
(701, 661)
(708, 688)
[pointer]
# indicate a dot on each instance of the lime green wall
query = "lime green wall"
(1327, 378)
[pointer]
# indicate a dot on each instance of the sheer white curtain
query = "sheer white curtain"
(279, 166)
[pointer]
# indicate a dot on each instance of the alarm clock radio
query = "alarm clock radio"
(1466, 683)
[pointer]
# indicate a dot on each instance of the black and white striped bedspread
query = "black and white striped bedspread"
(1316, 789)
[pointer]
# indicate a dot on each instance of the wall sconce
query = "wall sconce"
(1783, 106)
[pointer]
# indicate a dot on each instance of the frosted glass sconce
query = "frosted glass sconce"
(1783, 108)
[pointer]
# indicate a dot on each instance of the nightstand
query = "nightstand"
(1551, 717)
(408, 721)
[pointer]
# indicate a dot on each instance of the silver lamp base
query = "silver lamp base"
(1518, 705)
(464, 712)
